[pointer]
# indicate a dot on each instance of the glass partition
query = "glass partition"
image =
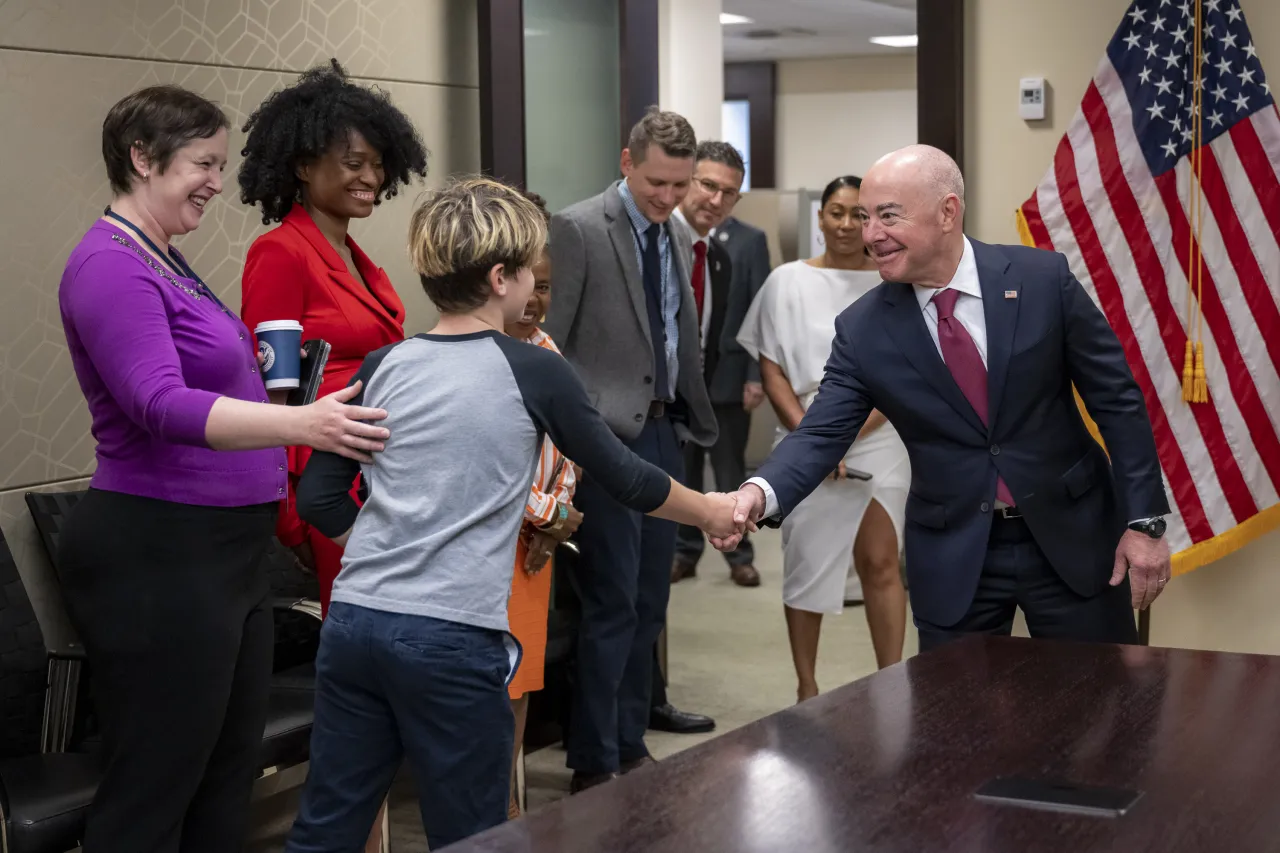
(735, 128)
(572, 98)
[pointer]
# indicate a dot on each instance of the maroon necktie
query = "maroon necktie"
(965, 363)
(699, 281)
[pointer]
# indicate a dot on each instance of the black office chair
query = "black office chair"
(287, 737)
(44, 796)
(286, 741)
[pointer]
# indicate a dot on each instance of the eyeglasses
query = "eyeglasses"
(711, 187)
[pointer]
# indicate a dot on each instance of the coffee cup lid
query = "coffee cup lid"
(277, 326)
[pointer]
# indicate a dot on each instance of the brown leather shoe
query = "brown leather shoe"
(681, 569)
(745, 575)
(629, 766)
(583, 781)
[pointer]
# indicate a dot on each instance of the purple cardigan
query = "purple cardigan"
(152, 356)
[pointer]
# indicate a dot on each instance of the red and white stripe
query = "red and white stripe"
(545, 493)
(1125, 233)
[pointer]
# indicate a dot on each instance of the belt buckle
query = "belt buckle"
(1008, 512)
(657, 408)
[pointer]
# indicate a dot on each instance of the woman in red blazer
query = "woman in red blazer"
(319, 154)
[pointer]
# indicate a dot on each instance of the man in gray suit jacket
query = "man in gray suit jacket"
(624, 317)
(728, 270)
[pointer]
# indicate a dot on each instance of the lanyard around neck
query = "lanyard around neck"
(176, 259)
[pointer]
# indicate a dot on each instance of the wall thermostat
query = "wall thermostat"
(1031, 98)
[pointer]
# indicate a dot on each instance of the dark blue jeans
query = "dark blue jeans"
(623, 580)
(390, 685)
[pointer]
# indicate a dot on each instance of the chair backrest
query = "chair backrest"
(49, 511)
(23, 664)
(296, 636)
(284, 576)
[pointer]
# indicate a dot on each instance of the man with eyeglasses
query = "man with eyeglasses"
(722, 294)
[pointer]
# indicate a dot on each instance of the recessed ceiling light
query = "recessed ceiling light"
(896, 41)
(726, 18)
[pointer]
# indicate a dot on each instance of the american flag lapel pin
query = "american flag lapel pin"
(1011, 294)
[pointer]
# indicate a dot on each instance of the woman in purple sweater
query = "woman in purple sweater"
(161, 562)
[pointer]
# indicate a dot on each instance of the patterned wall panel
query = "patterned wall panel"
(425, 41)
(53, 107)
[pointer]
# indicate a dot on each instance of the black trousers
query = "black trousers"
(1017, 574)
(658, 692)
(623, 580)
(729, 466)
(170, 601)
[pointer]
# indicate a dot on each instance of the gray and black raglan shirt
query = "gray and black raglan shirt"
(436, 535)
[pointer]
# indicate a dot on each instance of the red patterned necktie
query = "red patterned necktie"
(699, 280)
(965, 363)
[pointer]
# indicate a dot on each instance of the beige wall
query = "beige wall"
(1228, 605)
(838, 116)
(64, 62)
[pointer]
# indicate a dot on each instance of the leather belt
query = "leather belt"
(657, 408)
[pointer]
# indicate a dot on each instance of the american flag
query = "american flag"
(1119, 202)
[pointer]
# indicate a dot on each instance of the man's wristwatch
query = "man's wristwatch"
(1153, 527)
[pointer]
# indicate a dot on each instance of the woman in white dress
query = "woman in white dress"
(789, 330)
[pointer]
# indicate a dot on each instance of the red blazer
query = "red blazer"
(292, 273)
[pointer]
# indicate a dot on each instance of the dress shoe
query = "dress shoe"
(745, 575)
(681, 569)
(583, 781)
(628, 766)
(668, 718)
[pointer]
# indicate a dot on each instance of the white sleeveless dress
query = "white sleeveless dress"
(792, 323)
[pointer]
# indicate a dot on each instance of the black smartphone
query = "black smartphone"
(1059, 795)
(310, 373)
(855, 474)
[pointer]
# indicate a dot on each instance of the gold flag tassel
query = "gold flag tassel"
(1188, 367)
(1195, 388)
(1201, 394)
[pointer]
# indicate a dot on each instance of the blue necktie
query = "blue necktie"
(652, 273)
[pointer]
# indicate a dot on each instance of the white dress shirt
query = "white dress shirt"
(706, 273)
(968, 307)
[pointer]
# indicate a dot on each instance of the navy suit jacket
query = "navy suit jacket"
(1044, 334)
(748, 251)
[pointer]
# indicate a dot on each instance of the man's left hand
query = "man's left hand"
(541, 546)
(752, 395)
(1147, 562)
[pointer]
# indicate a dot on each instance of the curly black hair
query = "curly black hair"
(539, 202)
(298, 124)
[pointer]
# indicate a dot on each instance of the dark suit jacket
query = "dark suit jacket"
(721, 282)
(748, 252)
(1040, 340)
(599, 320)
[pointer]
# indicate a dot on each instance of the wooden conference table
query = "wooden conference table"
(891, 762)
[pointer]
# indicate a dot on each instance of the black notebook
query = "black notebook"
(310, 373)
